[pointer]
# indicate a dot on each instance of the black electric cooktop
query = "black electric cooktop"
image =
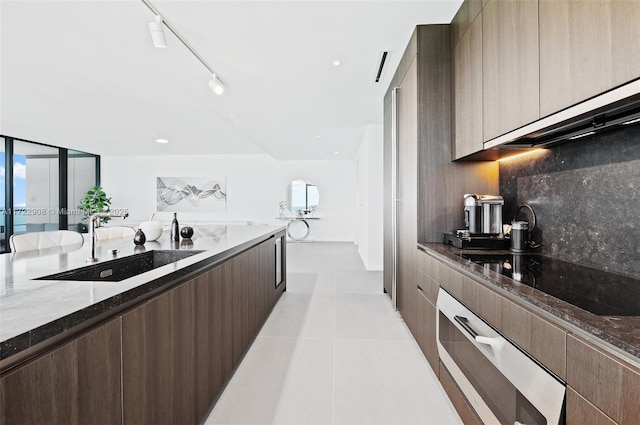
(597, 291)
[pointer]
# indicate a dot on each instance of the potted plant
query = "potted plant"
(95, 201)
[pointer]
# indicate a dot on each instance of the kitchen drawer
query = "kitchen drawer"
(426, 335)
(580, 411)
(443, 274)
(450, 280)
(423, 261)
(428, 287)
(605, 380)
(427, 264)
(542, 340)
(488, 308)
(469, 292)
(435, 269)
(458, 285)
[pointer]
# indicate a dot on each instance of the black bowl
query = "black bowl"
(186, 232)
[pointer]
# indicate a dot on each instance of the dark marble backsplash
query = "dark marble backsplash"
(586, 196)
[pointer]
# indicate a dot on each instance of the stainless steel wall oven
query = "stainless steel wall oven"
(502, 383)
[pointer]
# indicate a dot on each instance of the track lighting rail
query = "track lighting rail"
(183, 41)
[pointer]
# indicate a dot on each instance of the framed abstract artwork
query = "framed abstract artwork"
(191, 194)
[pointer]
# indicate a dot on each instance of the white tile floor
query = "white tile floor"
(333, 351)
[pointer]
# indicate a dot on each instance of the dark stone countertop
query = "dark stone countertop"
(35, 313)
(621, 334)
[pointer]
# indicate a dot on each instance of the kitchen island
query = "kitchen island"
(154, 348)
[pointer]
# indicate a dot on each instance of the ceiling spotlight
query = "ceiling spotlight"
(162, 141)
(216, 85)
(318, 136)
(157, 32)
(336, 63)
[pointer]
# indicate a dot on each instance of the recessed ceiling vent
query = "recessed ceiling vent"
(383, 58)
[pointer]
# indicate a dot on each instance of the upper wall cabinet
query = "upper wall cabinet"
(510, 73)
(467, 85)
(467, 13)
(586, 48)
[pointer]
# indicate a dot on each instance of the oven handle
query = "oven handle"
(464, 322)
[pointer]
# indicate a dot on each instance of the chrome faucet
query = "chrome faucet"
(92, 231)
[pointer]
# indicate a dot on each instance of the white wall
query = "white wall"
(369, 198)
(255, 186)
(362, 200)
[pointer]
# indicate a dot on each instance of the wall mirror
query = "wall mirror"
(303, 197)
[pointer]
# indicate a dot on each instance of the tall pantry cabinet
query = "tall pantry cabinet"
(429, 187)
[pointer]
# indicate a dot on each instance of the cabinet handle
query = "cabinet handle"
(493, 342)
(418, 286)
(464, 322)
(485, 340)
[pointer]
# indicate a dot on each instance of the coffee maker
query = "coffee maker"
(483, 214)
(483, 224)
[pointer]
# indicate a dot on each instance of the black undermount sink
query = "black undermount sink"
(122, 268)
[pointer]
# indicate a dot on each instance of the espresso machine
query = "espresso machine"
(483, 224)
(483, 214)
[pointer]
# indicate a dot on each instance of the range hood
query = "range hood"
(614, 109)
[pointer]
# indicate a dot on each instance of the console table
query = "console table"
(301, 223)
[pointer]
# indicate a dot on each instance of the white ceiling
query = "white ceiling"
(85, 75)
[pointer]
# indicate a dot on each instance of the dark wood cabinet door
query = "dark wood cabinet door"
(158, 360)
(77, 383)
(427, 330)
(580, 411)
(608, 382)
(407, 195)
(586, 48)
(214, 361)
(428, 276)
(255, 281)
(467, 86)
(467, 13)
(510, 66)
(267, 278)
(239, 280)
(388, 203)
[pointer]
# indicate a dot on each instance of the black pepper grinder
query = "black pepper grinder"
(175, 228)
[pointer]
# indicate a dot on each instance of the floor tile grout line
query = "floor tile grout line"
(311, 338)
(316, 338)
(333, 383)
